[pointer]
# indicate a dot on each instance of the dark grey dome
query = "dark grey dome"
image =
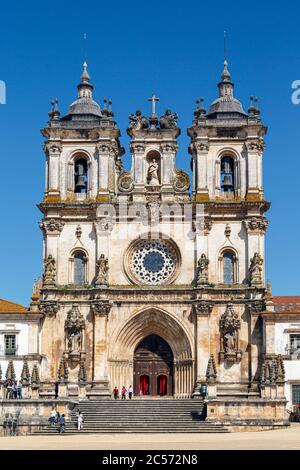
(84, 105)
(226, 104)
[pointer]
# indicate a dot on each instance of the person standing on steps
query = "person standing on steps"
(62, 424)
(130, 392)
(123, 392)
(79, 421)
(116, 393)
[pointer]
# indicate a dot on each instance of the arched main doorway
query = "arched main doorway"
(153, 367)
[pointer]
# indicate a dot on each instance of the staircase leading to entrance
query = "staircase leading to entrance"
(140, 416)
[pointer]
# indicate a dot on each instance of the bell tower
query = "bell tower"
(227, 146)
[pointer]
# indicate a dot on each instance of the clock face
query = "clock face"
(153, 262)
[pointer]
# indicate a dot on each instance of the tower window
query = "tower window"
(228, 267)
(79, 268)
(81, 176)
(227, 174)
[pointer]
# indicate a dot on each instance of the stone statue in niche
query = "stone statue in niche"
(230, 325)
(49, 271)
(202, 276)
(152, 175)
(102, 271)
(74, 328)
(168, 120)
(255, 271)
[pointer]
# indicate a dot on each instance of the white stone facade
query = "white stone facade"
(129, 255)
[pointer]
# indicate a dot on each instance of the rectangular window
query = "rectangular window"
(294, 344)
(296, 394)
(10, 345)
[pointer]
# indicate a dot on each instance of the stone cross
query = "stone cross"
(153, 99)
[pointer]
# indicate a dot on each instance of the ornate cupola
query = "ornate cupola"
(82, 149)
(226, 106)
(226, 146)
(84, 105)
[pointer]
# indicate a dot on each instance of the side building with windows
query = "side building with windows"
(282, 332)
(19, 339)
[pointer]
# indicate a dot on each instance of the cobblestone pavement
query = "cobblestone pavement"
(278, 439)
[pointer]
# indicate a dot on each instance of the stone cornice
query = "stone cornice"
(284, 317)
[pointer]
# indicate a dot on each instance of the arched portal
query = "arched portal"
(131, 333)
(153, 359)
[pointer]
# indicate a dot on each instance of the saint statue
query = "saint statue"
(102, 271)
(255, 270)
(152, 175)
(50, 271)
(202, 278)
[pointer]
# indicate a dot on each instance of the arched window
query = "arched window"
(227, 174)
(228, 267)
(81, 176)
(79, 258)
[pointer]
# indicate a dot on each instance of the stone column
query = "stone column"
(101, 309)
(168, 170)
(139, 171)
(201, 151)
(53, 150)
(103, 168)
(49, 310)
(202, 311)
(255, 341)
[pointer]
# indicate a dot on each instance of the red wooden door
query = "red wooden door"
(153, 367)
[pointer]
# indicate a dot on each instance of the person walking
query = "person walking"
(123, 392)
(130, 392)
(62, 424)
(19, 390)
(79, 421)
(116, 393)
(52, 417)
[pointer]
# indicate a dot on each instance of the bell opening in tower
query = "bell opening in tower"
(227, 174)
(81, 176)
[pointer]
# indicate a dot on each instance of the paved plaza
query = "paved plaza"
(286, 439)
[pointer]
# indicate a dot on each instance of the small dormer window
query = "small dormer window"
(227, 174)
(81, 176)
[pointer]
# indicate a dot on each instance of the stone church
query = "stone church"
(150, 279)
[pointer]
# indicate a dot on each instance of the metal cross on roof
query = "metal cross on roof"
(153, 99)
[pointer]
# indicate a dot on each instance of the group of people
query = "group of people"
(57, 419)
(124, 392)
(10, 425)
(13, 389)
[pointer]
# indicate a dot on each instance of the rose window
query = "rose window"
(153, 262)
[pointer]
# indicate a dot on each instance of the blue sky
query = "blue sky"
(134, 48)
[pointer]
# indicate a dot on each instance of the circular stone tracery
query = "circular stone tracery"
(153, 262)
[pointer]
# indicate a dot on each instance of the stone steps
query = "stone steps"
(139, 416)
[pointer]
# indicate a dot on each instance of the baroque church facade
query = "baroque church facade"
(129, 255)
(150, 279)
